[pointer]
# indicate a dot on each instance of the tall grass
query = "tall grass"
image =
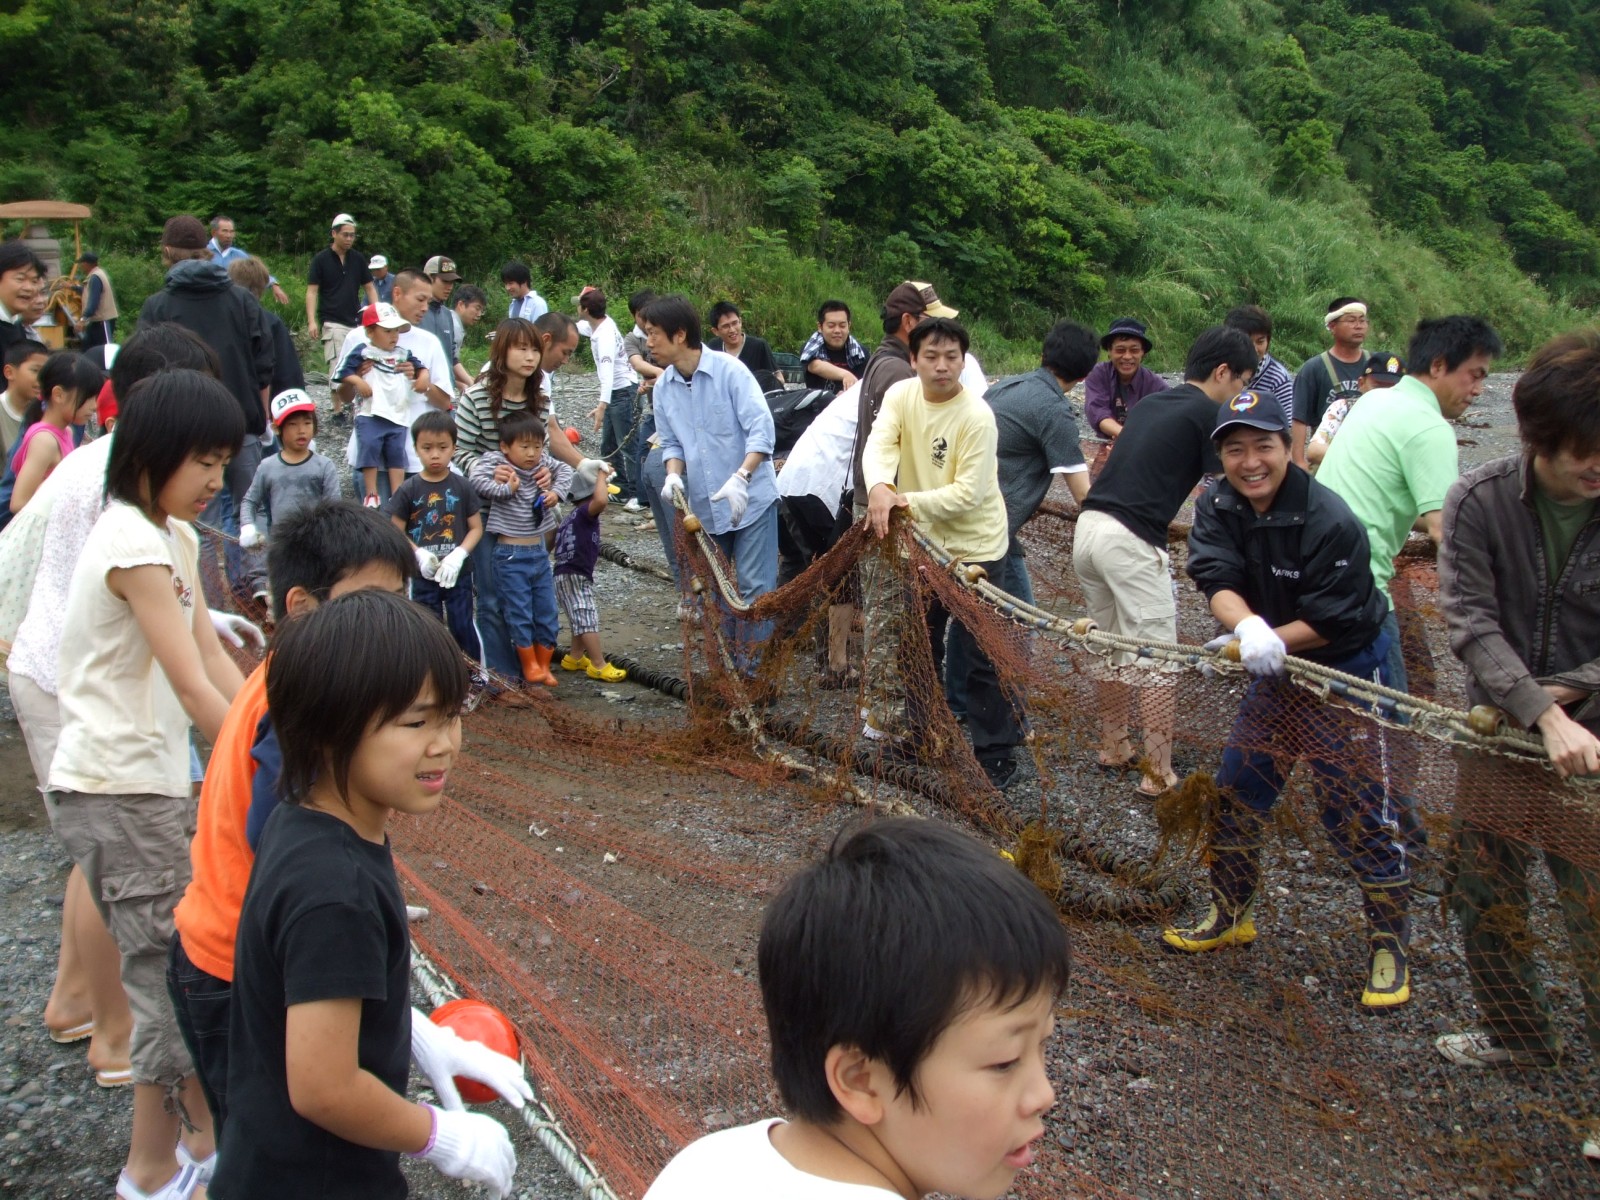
(1223, 236)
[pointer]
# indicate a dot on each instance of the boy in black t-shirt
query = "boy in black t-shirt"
(322, 1028)
(439, 511)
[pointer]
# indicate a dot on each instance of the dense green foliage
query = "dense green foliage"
(1033, 158)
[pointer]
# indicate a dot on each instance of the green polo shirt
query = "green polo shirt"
(1394, 459)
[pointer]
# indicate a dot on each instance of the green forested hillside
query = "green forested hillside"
(1164, 157)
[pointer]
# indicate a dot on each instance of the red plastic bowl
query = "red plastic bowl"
(573, 435)
(478, 1022)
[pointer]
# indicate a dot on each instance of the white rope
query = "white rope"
(540, 1120)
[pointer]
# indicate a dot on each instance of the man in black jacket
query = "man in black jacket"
(200, 296)
(1285, 565)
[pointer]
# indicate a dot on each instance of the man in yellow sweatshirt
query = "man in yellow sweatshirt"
(932, 451)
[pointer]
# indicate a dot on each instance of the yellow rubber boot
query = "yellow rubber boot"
(1215, 930)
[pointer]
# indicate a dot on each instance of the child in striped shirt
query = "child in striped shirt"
(519, 481)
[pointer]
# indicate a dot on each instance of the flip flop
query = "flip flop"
(1117, 768)
(65, 1037)
(123, 1077)
(1148, 794)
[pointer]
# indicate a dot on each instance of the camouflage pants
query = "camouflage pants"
(1490, 899)
(883, 613)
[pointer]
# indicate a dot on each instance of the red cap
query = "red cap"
(105, 405)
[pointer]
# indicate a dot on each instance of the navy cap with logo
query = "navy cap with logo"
(1250, 410)
(1385, 367)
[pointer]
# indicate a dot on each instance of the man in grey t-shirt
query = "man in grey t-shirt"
(1039, 436)
(1038, 440)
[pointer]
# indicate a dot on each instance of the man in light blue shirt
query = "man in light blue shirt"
(716, 434)
(524, 303)
(225, 252)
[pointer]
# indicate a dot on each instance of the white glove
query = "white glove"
(673, 486)
(250, 537)
(450, 569)
(1217, 643)
(473, 1147)
(737, 493)
(427, 562)
(236, 630)
(442, 1054)
(1261, 650)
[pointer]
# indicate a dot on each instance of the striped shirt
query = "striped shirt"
(1273, 378)
(477, 428)
(514, 514)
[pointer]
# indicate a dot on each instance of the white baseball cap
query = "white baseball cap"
(376, 261)
(384, 316)
(288, 402)
(342, 219)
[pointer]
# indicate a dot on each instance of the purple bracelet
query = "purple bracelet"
(433, 1133)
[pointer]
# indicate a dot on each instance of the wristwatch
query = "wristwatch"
(743, 474)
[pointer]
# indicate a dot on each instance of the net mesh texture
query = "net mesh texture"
(602, 882)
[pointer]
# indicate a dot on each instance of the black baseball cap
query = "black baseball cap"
(1250, 410)
(1390, 368)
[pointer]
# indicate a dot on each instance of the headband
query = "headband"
(1354, 309)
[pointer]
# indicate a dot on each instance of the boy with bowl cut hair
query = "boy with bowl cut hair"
(909, 981)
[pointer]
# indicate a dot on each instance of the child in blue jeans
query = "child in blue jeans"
(520, 480)
(438, 510)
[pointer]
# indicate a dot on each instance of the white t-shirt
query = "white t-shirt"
(742, 1163)
(819, 464)
(430, 350)
(972, 376)
(122, 727)
(611, 365)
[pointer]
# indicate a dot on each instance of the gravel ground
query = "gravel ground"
(63, 1135)
(1122, 1081)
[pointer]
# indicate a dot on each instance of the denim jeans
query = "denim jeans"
(200, 1002)
(615, 446)
(995, 722)
(1404, 766)
(527, 592)
(1012, 577)
(1349, 760)
(498, 653)
(753, 551)
(454, 605)
(247, 569)
(640, 451)
(654, 479)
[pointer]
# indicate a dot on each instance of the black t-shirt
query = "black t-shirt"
(756, 354)
(1315, 389)
(323, 919)
(341, 284)
(1156, 461)
(435, 513)
(839, 356)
